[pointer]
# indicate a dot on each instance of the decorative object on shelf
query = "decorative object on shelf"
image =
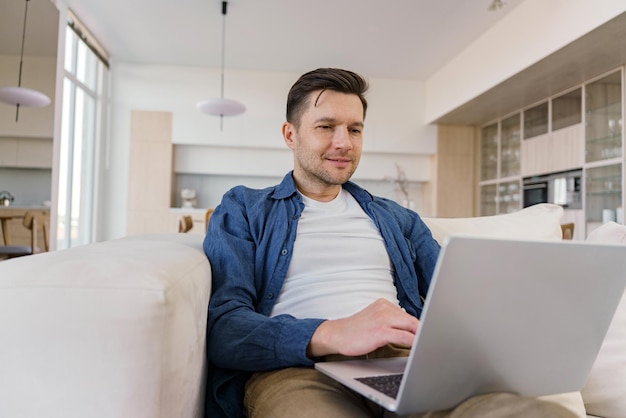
(18, 95)
(220, 106)
(403, 186)
(6, 198)
(189, 198)
(608, 215)
(495, 5)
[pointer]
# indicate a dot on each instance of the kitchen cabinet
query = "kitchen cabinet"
(566, 110)
(25, 152)
(562, 150)
(510, 146)
(603, 104)
(488, 200)
(579, 129)
(536, 120)
(500, 187)
(150, 172)
(604, 151)
(603, 194)
(489, 152)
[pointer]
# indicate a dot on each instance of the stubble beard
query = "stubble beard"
(316, 173)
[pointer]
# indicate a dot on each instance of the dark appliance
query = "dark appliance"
(563, 188)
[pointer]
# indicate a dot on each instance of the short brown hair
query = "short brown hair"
(342, 81)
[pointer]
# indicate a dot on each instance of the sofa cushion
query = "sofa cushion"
(114, 329)
(541, 221)
(605, 392)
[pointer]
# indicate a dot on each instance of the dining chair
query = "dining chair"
(31, 223)
(568, 230)
(207, 217)
(185, 224)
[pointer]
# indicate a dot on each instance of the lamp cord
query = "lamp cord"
(224, 11)
(19, 81)
(19, 77)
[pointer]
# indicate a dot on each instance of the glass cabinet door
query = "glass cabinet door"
(567, 109)
(603, 194)
(509, 196)
(489, 152)
(488, 203)
(603, 132)
(536, 120)
(510, 147)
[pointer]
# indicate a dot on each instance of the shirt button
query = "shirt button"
(270, 296)
(295, 217)
(284, 251)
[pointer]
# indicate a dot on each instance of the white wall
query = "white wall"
(529, 33)
(251, 144)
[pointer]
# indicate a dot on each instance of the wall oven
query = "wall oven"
(564, 188)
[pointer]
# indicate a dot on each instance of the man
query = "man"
(312, 268)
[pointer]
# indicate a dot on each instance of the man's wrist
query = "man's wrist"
(319, 345)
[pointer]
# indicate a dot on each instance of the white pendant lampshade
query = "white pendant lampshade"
(18, 95)
(221, 106)
(22, 96)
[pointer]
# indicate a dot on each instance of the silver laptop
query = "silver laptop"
(524, 317)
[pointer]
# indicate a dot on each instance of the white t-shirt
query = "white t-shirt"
(339, 263)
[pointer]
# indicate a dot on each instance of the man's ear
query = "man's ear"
(289, 134)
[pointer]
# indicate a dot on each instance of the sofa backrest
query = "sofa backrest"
(542, 221)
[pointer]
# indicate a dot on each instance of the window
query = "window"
(84, 84)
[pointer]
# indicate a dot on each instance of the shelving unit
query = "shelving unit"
(603, 150)
(489, 152)
(500, 187)
(510, 146)
(589, 135)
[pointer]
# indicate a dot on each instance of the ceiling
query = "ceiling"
(405, 39)
(400, 39)
(599, 51)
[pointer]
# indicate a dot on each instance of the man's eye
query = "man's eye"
(325, 127)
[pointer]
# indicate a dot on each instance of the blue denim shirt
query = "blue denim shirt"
(249, 244)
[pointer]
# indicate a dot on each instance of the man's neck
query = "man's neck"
(321, 193)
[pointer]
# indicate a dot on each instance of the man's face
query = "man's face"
(327, 143)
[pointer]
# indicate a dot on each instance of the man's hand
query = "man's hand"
(378, 324)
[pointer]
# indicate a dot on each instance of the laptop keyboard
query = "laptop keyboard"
(387, 384)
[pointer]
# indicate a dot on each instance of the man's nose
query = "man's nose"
(342, 138)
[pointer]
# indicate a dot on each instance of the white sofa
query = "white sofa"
(116, 329)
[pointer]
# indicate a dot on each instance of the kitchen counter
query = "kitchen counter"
(24, 207)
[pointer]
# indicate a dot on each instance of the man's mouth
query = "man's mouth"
(339, 162)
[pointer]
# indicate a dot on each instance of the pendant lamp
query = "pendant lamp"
(18, 95)
(220, 106)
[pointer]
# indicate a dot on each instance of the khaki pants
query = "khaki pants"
(307, 393)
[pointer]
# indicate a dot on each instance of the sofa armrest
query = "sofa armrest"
(108, 329)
